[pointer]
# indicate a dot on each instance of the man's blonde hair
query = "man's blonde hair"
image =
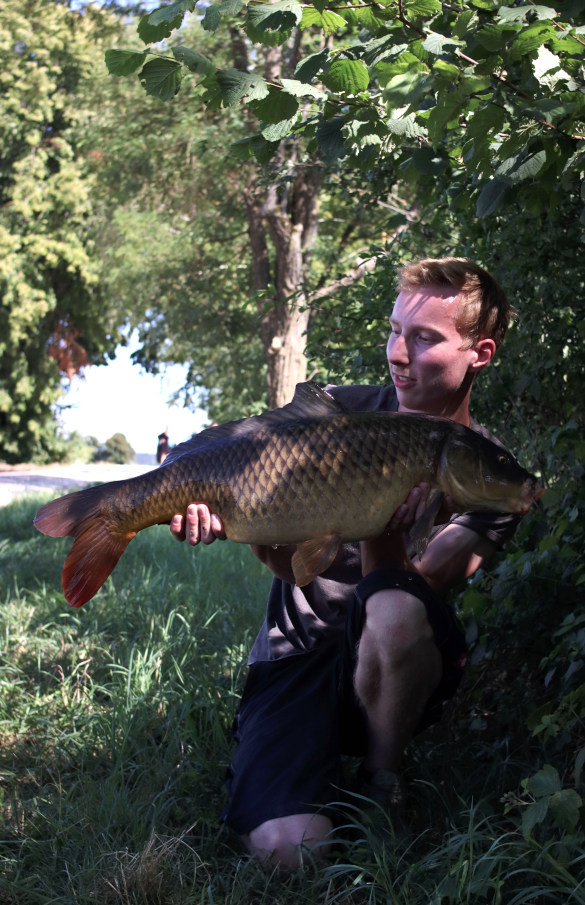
(484, 310)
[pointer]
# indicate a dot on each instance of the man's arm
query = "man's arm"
(453, 555)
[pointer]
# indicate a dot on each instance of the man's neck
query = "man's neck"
(458, 413)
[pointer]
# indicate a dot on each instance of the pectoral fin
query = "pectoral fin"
(420, 532)
(313, 557)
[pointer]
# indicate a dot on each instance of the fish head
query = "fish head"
(479, 474)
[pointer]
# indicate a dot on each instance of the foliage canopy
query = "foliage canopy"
(53, 316)
(490, 93)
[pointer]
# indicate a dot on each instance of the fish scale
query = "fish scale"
(308, 474)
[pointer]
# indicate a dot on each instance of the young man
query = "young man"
(362, 658)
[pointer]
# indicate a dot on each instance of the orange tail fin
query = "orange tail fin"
(97, 547)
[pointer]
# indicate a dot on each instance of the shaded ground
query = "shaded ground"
(28, 480)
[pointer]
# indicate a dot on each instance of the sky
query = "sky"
(121, 398)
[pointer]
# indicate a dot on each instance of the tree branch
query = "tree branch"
(348, 280)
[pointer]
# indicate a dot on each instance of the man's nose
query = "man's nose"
(397, 350)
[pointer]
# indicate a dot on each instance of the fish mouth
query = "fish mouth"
(531, 493)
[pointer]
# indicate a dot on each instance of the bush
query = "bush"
(116, 449)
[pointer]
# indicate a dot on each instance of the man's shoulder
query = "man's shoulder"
(480, 429)
(365, 397)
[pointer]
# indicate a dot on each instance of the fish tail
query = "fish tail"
(98, 545)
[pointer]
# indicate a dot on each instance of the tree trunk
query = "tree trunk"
(282, 226)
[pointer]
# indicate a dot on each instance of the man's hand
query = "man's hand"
(197, 526)
(389, 548)
(413, 508)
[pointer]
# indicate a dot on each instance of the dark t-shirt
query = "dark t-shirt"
(299, 618)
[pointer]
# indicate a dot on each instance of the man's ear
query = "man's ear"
(485, 350)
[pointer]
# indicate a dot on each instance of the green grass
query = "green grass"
(115, 735)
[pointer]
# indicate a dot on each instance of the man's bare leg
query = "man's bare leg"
(398, 668)
(283, 840)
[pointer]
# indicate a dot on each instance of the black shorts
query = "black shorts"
(299, 715)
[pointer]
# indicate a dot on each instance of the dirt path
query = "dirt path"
(29, 480)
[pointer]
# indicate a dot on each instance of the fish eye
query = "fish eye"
(503, 460)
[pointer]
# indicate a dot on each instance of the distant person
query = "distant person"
(164, 447)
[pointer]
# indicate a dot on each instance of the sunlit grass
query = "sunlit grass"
(115, 736)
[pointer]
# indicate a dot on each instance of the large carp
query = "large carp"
(309, 473)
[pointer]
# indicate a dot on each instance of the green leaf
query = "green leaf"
(530, 39)
(124, 62)
(533, 814)
(488, 119)
(161, 78)
(364, 17)
(327, 20)
(428, 162)
(301, 89)
(263, 150)
(171, 12)
(194, 61)
(436, 43)
(242, 149)
(519, 13)
(545, 782)
(445, 72)
(365, 130)
(524, 165)
(280, 16)
(330, 138)
(212, 97)
(311, 66)
(464, 22)
(274, 108)
(211, 19)
(254, 147)
(267, 38)
(236, 86)
(565, 808)
(493, 37)
(275, 132)
(490, 197)
(448, 109)
(347, 77)
(406, 88)
(407, 126)
(152, 34)
(422, 9)
(383, 48)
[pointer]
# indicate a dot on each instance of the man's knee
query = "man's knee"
(396, 625)
(397, 645)
(285, 841)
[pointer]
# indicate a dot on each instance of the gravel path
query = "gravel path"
(29, 480)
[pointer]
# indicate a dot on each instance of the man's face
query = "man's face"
(431, 371)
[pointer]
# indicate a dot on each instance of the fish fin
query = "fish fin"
(97, 546)
(309, 401)
(91, 561)
(62, 517)
(420, 532)
(313, 557)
